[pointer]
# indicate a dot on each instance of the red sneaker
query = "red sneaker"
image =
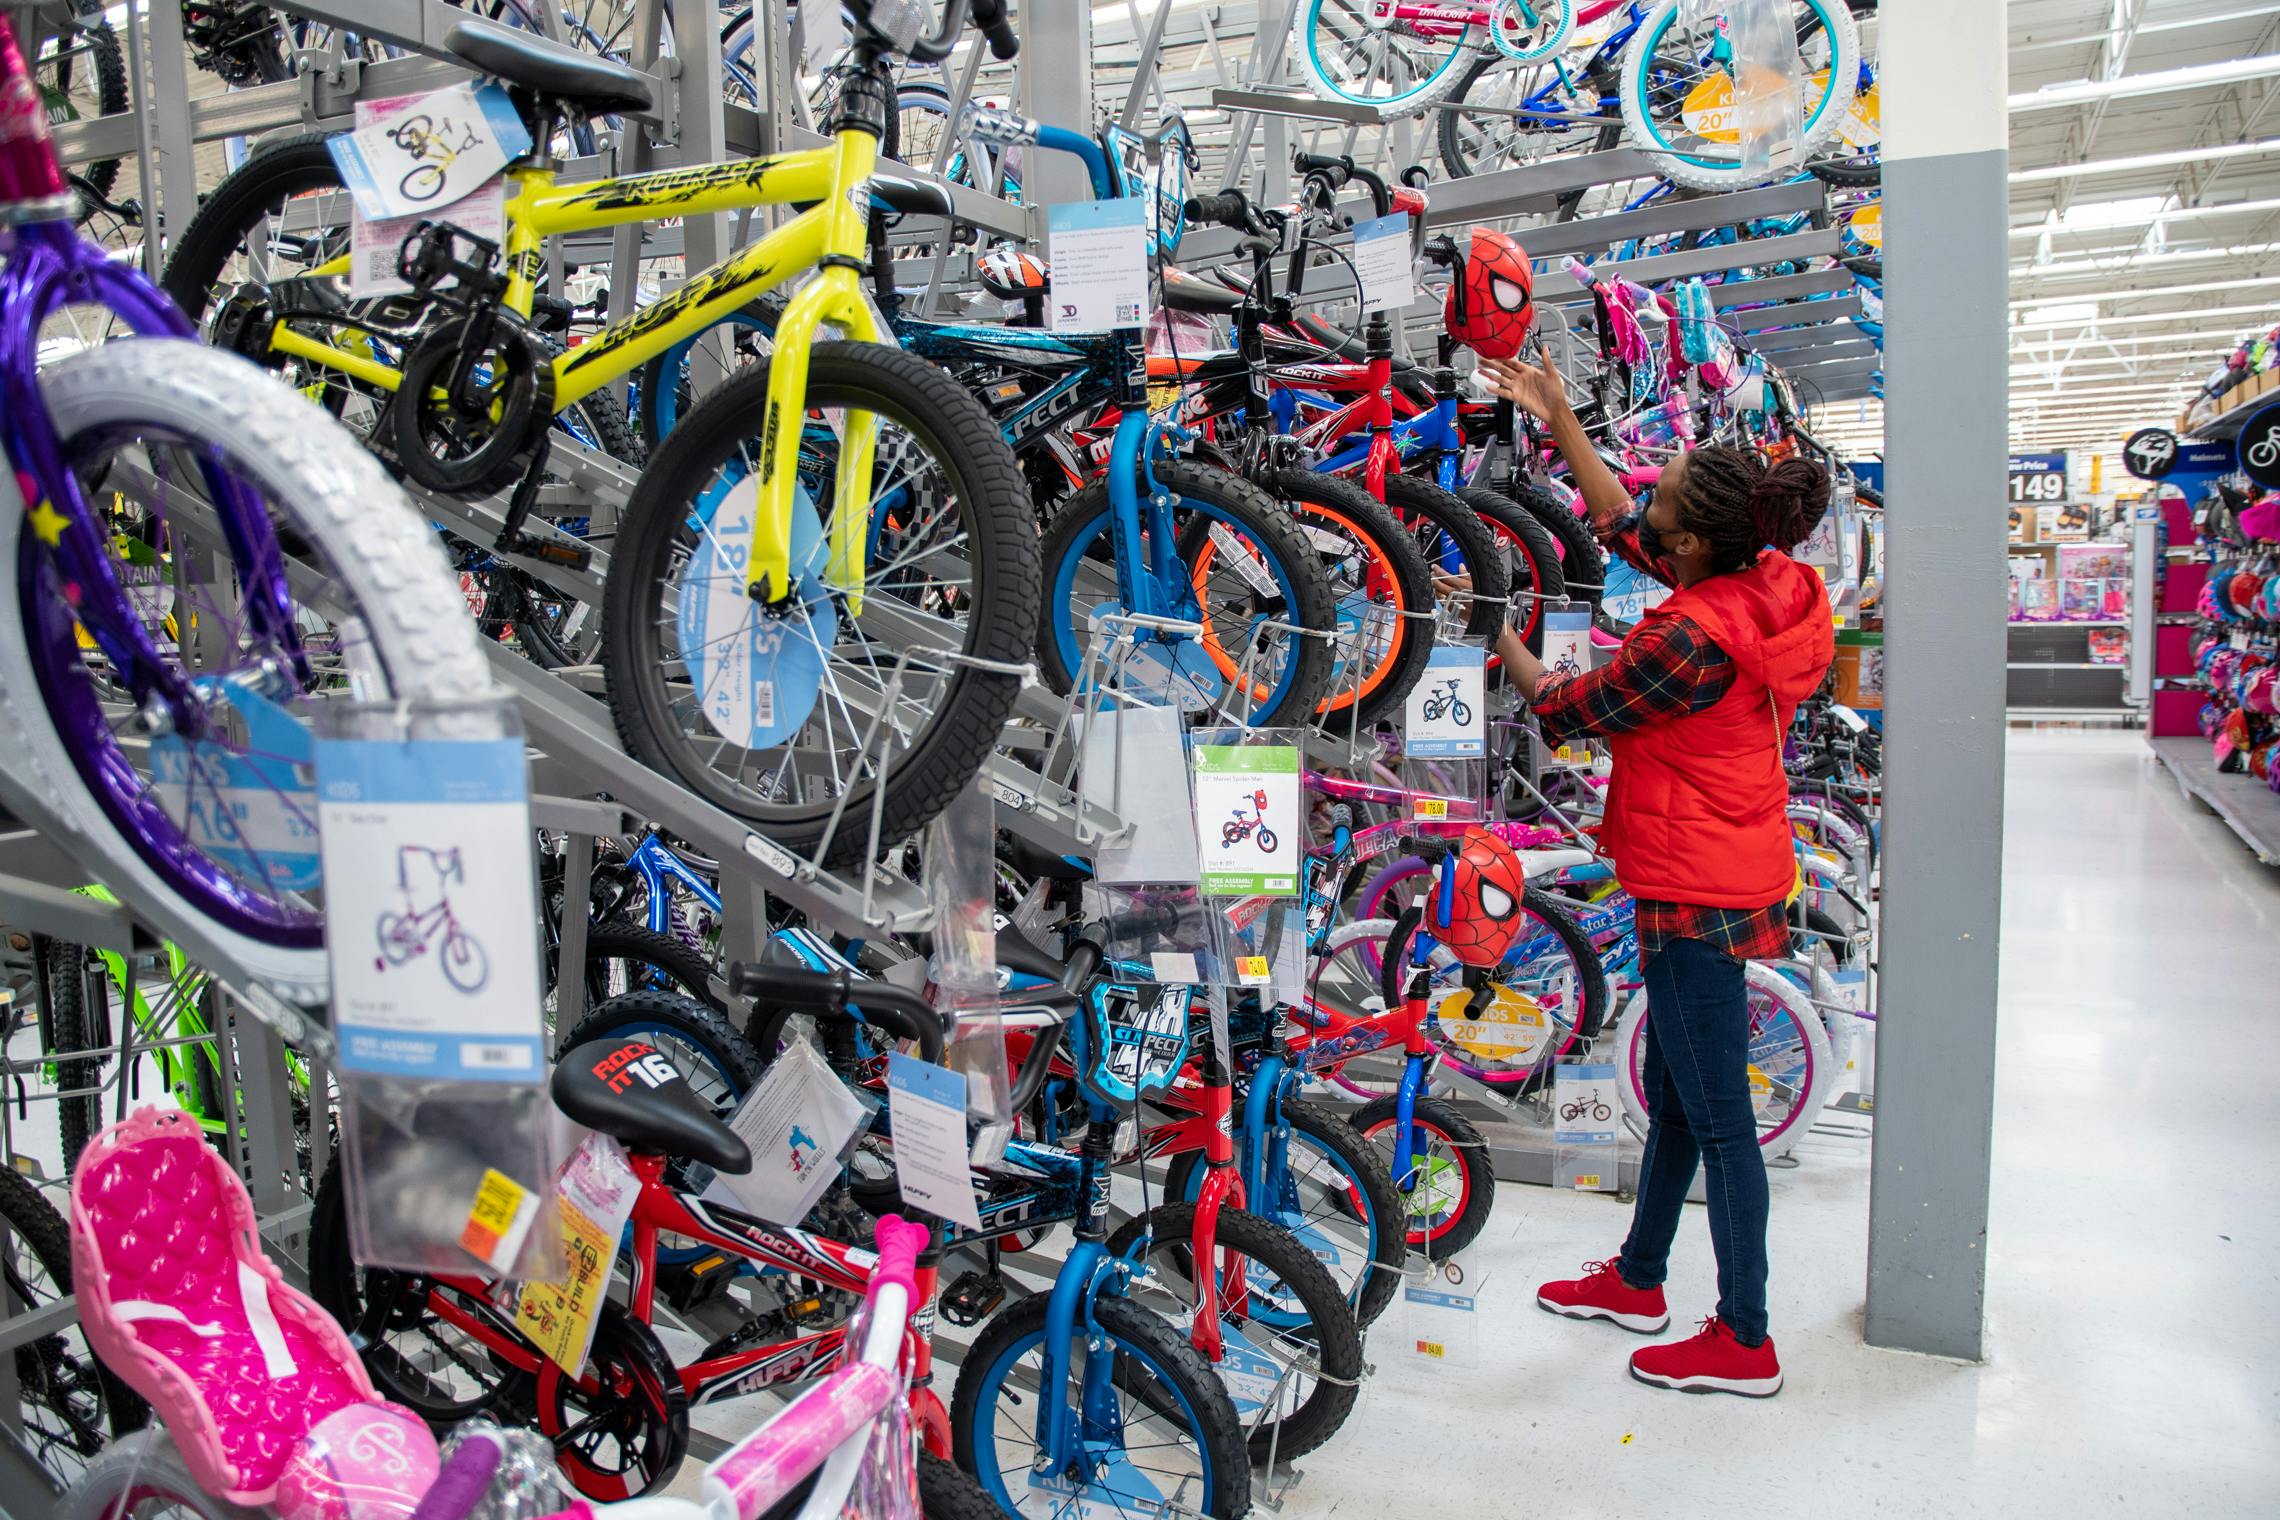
(1601, 1293)
(1711, 1361)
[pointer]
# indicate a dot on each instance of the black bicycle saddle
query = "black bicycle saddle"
(630, 1091)
(549, 70)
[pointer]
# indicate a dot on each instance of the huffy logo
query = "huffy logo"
(635, 1061)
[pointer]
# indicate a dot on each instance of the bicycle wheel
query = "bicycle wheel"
(1583, 563)
(143, 1477)
(1678, 92)
(79, 74)
(1350, 53)
(444, 1352)
(623, 958)
(1248, 566)
(1176, 1438)
(1531, 555)
(1452, 1188)
(70, 1403)
(1459, 546)
(945, 1493)
(79, 1105)
(1378, 576)
(948, 610)
(1293, 1354)
(159, 429)
(1789, 1061)
(620, 1427)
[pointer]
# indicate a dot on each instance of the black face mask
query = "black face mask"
(1651, 539)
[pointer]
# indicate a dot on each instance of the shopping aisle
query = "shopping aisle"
(2133, 1352)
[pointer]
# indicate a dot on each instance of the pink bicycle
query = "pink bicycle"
(266, 1409)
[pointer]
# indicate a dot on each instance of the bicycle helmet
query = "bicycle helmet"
(1492, 302)
(1013, 274)
(1476, 905)
(2241, 590)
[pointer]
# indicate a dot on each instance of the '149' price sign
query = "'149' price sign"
(2038, 478)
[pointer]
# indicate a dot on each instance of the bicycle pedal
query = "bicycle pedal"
(688, 1284)
(554, 551)
(974, 1297)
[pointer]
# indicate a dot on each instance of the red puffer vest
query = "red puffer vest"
(1696, 810)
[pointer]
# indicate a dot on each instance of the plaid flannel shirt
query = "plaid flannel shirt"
(1665, 670)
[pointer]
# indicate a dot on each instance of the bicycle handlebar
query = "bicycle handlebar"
(898, 28)
(463, 1483)
(904, 1015)
(899, 1242)
(990, 20)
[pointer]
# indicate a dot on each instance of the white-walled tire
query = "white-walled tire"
(384, 557)
(1695, 169)
(1781, 1016)
(1426, 76)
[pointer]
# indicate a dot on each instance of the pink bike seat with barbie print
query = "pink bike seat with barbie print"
(179, 1301)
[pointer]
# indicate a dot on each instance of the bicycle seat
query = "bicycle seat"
(629, 1090)
(1035, 860)
(909, 197)
(1185, 292)
(1017, 952)
(549, 70)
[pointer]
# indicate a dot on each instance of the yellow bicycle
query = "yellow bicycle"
(821, 594)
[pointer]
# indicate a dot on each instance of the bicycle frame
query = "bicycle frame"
(833, 178)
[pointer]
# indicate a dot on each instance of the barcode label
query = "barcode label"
(763, 704)
(498, 1056)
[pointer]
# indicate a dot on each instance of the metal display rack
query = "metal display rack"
(586, 787)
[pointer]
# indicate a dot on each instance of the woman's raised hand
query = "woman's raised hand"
(1536, 389)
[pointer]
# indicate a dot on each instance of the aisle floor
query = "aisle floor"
(2133, 1349)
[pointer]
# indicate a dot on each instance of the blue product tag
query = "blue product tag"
(758, 672)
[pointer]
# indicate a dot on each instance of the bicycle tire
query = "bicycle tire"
(1695, 172)
(1323, 1328)
(1760, 981)
(109, 64)
(945, 1493)
(1534, 559)
(942, 752)
(1435, 86)
(1327, 504)
(1583, 563)
(1450, 1132)
(1425, 509)
(703, 1031)
(1296, 590)
(615, 940)
(59, 1405)
(257, 188)
(142, 1473)
(78, 1117)
(628, 1385)
(1456, 157)
(386, 564)
(1166, 1360)
(1847, 173)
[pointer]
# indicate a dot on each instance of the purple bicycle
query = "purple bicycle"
(170, 736)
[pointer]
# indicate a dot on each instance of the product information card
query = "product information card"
(1099, 251)
(1247, 812)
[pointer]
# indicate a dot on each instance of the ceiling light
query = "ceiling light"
(2153, 292)
(2136, 260)
(2145, 214)
(2060, 315)
(2145, 161)
(2036, 317)
(2194, 77)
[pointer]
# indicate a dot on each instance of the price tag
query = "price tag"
(926, 1108)
(1099, 251)
(255, 812)
(441, 147)
(1587, 1114)
(596, 1191)
(797, 1123)
(1447, 717)
(498, 1220)
(1567, 641)
(1248, 813)
(1252, 971)
(376, 246)
(1381, 259)
(430, 898)
(1443, 1322)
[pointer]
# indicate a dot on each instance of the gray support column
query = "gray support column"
(1056, 77)
(170, 110)
(1943, 74)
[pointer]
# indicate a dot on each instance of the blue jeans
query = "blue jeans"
(1698, 1104)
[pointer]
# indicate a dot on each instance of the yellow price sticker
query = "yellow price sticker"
(1585, 1180)
(1432, 807)
(1251, 970)
(499, 1220)
(1432, 1348)
(559, 1316)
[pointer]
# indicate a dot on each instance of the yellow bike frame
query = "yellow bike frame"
(836, 178)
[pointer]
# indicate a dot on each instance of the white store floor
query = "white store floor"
(2133, 1362)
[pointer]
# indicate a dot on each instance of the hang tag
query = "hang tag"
(1587, 1115)
(255, 812)
(1567, 641)
(376, 246)
(1447, 715)
(438, 149)
(1442, 1320)
(797, 1123)
(1247, 812)
(1135, 767)
(497, 1221)
(926, 1109)
(430, 899)
(1174, 966)
(1099, 252)
(757, 672)
(596, 1190)
(1381, 260)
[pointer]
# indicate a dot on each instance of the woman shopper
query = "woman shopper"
(1694, 707)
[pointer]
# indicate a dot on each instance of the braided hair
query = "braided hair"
(1737, 503)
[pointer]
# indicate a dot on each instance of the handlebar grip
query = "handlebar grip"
(989, 19)
(1416, 176)
(1229, 208)
(1084, 960)
(464, 1481)
(899, 1242)
(1380, 197)
(905, 1015)
(1337, 165)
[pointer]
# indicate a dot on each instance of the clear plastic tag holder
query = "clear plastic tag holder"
(1260, 946)
(433, 924)
(1445, 758)
(1587, 1125)
(960, 874)
(1769, 87)
(1159, 933)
